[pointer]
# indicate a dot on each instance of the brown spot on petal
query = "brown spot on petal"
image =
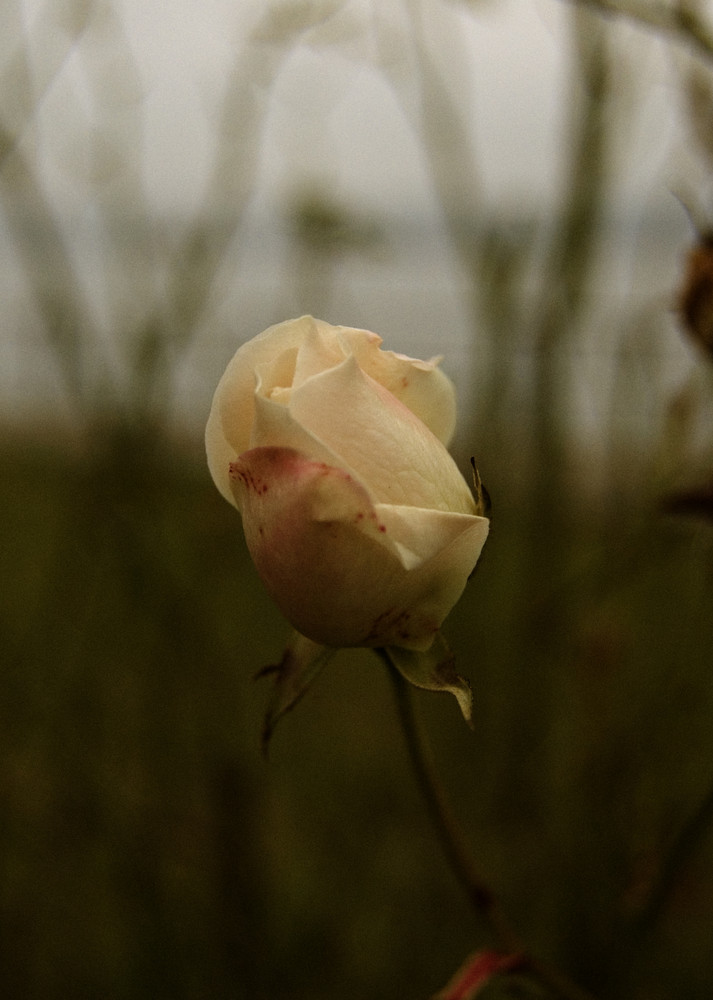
(250, 481)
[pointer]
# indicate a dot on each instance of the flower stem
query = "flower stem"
(454, 844)
(446, 825)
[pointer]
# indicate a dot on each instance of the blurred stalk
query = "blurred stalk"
(439, 116)
(679, 20)
(24, 82)
(567, 269)
(156, 325)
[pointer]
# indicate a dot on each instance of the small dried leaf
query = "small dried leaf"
(434, 670)
(301, 663)
(476, 973)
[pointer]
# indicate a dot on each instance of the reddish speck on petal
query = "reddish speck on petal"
(252, 482)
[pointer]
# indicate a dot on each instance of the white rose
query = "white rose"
(334, 451)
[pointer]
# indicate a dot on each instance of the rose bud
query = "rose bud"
(357, 519)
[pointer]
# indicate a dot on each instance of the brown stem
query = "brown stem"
(456, 850)
(446, 825)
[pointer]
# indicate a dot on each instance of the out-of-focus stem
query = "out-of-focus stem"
(679, 21)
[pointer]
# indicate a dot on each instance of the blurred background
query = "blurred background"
(514, 184)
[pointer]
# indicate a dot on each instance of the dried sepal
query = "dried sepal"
(433, 670)
(482, 497)
(301, 663)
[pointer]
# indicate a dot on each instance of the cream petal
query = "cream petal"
(273, 378)
(394, 454)
(424, 533)
(275, 426)
(219, 454)
(233, 402)
(321, 349)
(420, 385)
(322, 551)
(294, 351)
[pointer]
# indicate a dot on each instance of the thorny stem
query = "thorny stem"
(678, 21)
(454, 845)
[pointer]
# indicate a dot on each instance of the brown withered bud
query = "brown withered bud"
(696, 298)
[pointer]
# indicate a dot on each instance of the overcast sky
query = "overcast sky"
(334, 120)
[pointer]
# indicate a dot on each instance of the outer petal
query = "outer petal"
(425, 534)
(232, 411)
(393, 452)
(329, 561)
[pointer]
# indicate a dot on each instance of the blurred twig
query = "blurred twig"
(24, 83)
(679, 21)
(567, 267)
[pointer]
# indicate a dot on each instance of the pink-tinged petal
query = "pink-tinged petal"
(329, 561)
(390, 449)
(274, 426)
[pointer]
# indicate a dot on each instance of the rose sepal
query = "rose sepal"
(433, 669)
(302, 662)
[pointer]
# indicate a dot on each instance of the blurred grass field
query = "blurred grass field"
(148, 848)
